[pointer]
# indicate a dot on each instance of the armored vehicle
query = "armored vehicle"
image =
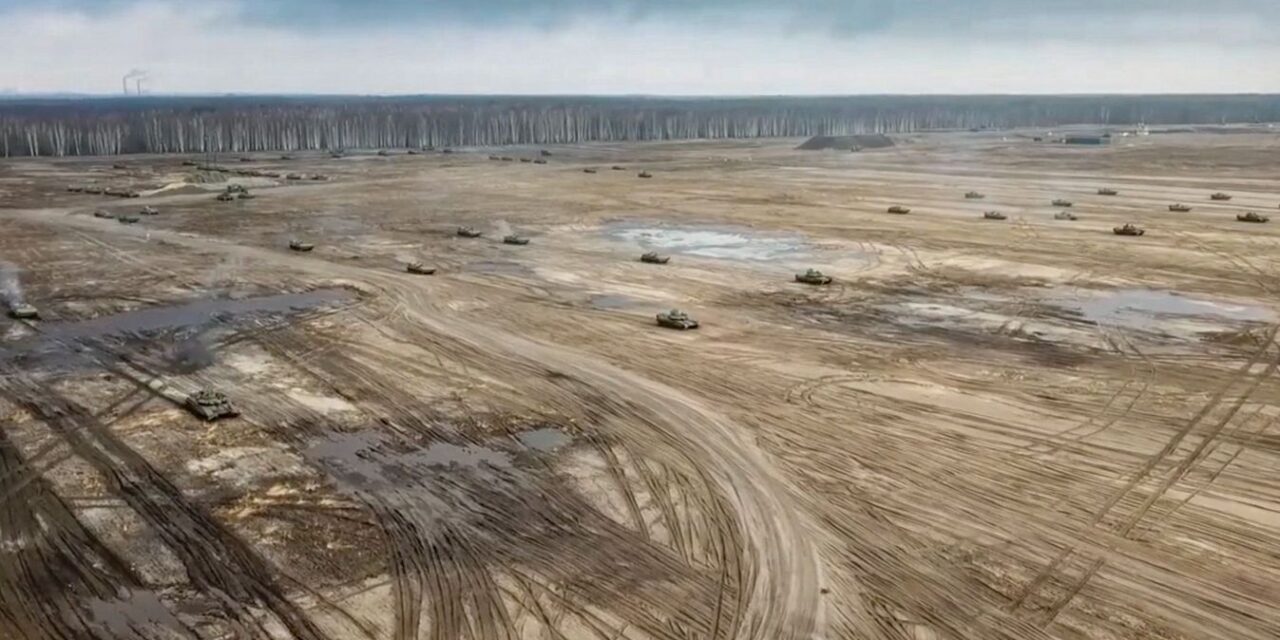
(246, 159)
(1220, 196)
(293, 176)
(149, 211)
(125, 218)
(974, 195)
(1107, 192)
(1129, 229)
(899, 209)
(1252, 217)
(544, 153)
(588, 170)
(468, 232)
(539, 161)
(1180, 208)
(210, 405)
(1061, 203)
(103, 214)
(384, 152)
(22, 311)
(75, 189)
(245, 195)
(298, 245)
(419, 268)
(993, 215)
(618, 167)
(652, 257)
(514, 239)
(645, 174)
(676, 319)
(226, 196)
(813, 276)
(1065, 215)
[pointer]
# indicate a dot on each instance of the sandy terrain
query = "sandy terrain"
(986, 429)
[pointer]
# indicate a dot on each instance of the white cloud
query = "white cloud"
(209, 47)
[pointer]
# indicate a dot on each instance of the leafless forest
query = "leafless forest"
(109, 126)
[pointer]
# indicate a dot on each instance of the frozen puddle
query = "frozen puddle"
(1156, 310)
(725, 243)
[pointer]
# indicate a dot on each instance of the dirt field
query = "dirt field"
(982, 429)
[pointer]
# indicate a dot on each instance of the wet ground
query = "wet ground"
(1030, 428)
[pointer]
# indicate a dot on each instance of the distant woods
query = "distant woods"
(109, 126)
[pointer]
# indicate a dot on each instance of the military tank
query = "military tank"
(1220, 196)
(226, 196)
(149, 211)
(676, 319)
(103, 214)
(246, 159)
(514, 239)
(1107, 192)
(652, 257)
(494, 158)
(899, 209)
(1065, 215)
(210, 405)
(508, 159)
(1252, 216)
(293, 176)
(468, 232)
(412, 152)
(974, 195)
(23, 311)
(1062, 203)
(813, 276)
(245, 195)
(526, 160)
(125, 218)
(298, 245)
(131, 194)
(588, 170)
(419, 268)
(286, 157)
(618, 167)
(1180, 208)
(1129, 229)
(644, 174)
(383, 152)
(97, 191)
(544, 153)
(539, 161)
(994, 215)
(75, 189)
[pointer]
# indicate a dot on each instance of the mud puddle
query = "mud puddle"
(185, 324)
(1156, 310)
(726, 243)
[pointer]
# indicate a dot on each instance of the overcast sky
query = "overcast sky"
(690, 47)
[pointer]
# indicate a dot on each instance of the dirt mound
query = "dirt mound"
(847, 143)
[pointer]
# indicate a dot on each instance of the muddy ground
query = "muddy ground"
(1025, 428)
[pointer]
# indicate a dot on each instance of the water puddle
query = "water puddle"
(1150, 309)
(136, 612)
(727, 243)
(543, 440)
(189, 320)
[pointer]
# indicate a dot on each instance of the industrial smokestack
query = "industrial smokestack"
(137, 75)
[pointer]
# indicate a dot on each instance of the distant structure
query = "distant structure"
(137, 76)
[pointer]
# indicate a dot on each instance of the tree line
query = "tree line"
(111, 126)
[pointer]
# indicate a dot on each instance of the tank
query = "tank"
(132, 194)
(75, 189)
(149, 211)
(508, 159)
(419, 268)
(210, 405)
(588, 170)
(298, 245)
(1129, 229)
(226, 196)
(652, 257)
(813, 276)
(899, 209)
(412, 152)
(23, 311)
(1107, 192)
(468, 232)
(119, 165)
(1061, 203)
(618, 167)
(544, 153)
(539, 161)
(293, 176)
(1220, 196)
(676, 319)
(103, 214)
(246, 159)
(1252, 217)
(127, 219)
(93, 190)
(335, 154)
(1065, 215)
(286, 157)
(514, 239)
(974, 195)
(645, 174)
(526, 159)
(384, 152)
(1180, 208)
(993, 215)
(495, 158)
(245, 195)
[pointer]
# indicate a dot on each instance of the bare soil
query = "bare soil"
(1021, 428)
